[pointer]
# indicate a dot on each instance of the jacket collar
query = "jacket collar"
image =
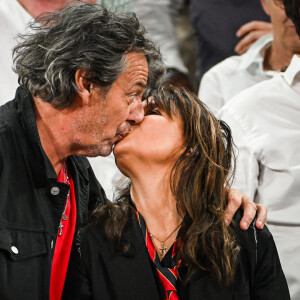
(293, 70)
(41, 167)
(253, 59)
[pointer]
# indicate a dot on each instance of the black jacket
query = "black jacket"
(98, 271)
(30, 209)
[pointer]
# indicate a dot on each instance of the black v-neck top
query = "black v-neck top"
(101, 272)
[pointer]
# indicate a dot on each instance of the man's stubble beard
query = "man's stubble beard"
(96, 132)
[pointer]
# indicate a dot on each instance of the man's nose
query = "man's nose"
(136, 114)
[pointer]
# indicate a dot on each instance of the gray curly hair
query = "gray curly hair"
(80, 36)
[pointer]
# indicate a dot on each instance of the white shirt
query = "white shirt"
(108, 174)
(13, 20)
(234, 74)
(265, 123)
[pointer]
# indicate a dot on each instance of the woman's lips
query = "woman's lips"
(124, 134)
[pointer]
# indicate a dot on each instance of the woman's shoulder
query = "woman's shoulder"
(259, 238)
(259, 262)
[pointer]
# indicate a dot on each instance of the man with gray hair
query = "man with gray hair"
(82, 75)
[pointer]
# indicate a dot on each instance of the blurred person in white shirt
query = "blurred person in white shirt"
(266, 57)
(265, 123)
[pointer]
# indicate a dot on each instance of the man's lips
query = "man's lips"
(121, 136)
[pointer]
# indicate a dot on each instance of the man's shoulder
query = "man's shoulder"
(8, 118)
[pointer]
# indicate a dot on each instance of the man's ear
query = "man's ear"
(83, 84)
(266, 6)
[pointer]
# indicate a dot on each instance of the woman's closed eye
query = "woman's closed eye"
(154, 111)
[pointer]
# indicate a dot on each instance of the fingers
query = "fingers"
(236, 199)
(253, 26)
(234, 203)
(244, 44)
(251, 32)
(250, 209)
(261, 216)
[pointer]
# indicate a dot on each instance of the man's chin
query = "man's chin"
(98, 151)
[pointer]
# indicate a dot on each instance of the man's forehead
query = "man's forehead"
(136, 59)
(135, 70)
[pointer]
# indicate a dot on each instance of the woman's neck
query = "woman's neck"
(153, 198)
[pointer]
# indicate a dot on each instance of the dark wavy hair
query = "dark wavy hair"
(80, 36)
(199, 183)
(292, 10)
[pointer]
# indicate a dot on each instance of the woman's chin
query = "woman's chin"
(121, 151)
(117, 148)
(120, 144)
(122, 165)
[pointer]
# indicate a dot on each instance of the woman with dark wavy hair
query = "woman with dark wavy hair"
(165, 237)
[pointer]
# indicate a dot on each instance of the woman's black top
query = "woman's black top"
(98, 271)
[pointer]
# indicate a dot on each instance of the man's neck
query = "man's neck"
(54, 132)
(277, 57)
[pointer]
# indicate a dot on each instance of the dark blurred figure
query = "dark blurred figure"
(292, 9)
(217, 25)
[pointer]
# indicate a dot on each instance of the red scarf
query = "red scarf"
(167, 276)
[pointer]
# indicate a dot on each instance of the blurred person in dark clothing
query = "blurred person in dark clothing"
(217, 24)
